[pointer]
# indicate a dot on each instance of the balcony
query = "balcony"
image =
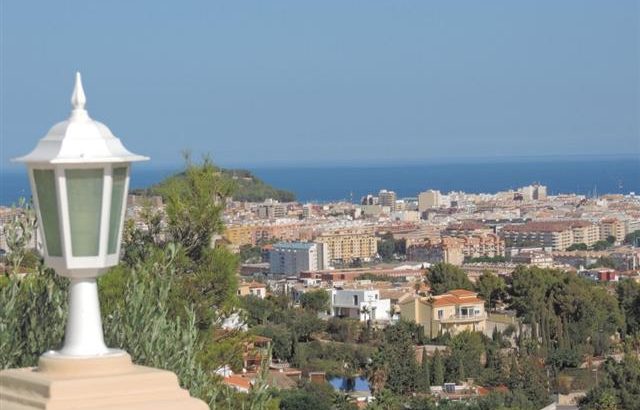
(463, 318)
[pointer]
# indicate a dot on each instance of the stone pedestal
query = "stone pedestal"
(107, 383)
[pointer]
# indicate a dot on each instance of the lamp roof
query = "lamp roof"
(80, 139)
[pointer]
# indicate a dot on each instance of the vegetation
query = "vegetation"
(491, 288)
(390, 248)
(315, 300)
(245, 186)
(618, 388)
(164, 304)
(564, 311)
(633, 238)
(444, 277)
(578, 247)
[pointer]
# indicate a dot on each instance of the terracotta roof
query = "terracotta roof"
(454, 297)
(237, 381)
(461, 292)
(546, 226)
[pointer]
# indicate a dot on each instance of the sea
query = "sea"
(325, 183)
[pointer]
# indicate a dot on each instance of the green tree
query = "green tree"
(444, 277)
(466, 349)
(19, 232)
(397, 358)
(309, 396)
(619, 387)
(315, 300)
(564, 311)
(602, 245)
(629, 299)
(578, 247)
(633, 238)
(194, 203)
(281, 340)
(32, 317)
(438, 369)
(386, 248)
(424, 375)
(491, 288)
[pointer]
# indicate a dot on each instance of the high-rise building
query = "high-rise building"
(387, 198)
(428, 200)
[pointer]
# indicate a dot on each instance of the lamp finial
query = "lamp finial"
(78, 99)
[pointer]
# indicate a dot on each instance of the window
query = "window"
(440, 313)
(355, 300)
(84, 193)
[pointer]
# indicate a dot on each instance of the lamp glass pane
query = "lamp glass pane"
(84, 192)
(117, 199)
(48, 203)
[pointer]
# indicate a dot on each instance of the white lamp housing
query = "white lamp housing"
(79, 175)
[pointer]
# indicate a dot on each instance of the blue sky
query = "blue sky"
(320, 82)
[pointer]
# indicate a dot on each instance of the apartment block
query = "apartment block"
(271, 209)
(428, 200)
(295, 257)
(613, 227)
(555, 235)
(240, 235)
(346, 247)
(387, 198)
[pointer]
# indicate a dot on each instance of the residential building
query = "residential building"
(452, 312)
(252, 288)
(478, 246)
(447, 250)
(291, 258)
(348, 246)
(361, 304)
(387, 198)
(556, 235)
(533, 258)
(240, 235)
(612, 227)
(535, 192)
(428, 200)
(271, 209)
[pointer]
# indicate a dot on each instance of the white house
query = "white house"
(361, 304)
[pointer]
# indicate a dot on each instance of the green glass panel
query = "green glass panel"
(117, 199)
(48, 203)
(84, 192)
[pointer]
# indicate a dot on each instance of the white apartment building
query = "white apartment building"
(291, 258)
(361, 304)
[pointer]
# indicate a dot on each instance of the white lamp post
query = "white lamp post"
(79, 174)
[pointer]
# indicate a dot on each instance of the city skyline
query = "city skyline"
(288, 83)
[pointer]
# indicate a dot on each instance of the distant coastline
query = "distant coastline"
(602, 175)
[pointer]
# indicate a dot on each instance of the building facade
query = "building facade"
(346, 247)
(452, 312)
(361, 304)
(428, 200)
(294, 257)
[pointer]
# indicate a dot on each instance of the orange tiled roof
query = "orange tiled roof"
(455, 297)
(237, 381)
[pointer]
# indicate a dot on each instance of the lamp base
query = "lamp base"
(100, 383)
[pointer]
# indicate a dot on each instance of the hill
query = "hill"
(246, 187)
